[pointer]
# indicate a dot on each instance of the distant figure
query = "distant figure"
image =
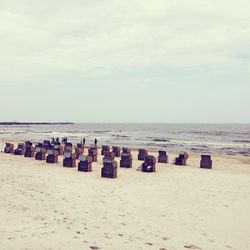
(83, 141)
(52, 140)
(95, 141)
(57, 140)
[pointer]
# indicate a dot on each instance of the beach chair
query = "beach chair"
(126, 151)
(181, 159)
(46, 144)
(105, 148)
(206, 161)
(52, 155)
(79, 149)
(85, 163)
(162, 157)
(142, 153)
(109, 169)
(149, 164)
(29, 150)
(58, 147)
(40, 152)
(92, 151)
(117, 151)
(20, 150)
(109, 155)
(69, 157)
(126, 160)
(9, 148)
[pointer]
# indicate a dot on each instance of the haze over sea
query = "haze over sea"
(227, 139)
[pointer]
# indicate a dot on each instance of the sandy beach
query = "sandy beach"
(50, 207)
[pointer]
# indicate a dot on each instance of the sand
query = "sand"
(50, 207)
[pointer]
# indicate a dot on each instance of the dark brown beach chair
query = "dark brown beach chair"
(59, 148)
(105, 148)
(85, 163)
(126, 160)
(92, 151)
(40, 152)
(181, 160)
(52, 155)
(142, 153)
(117, 151)
(149, 164)
(162, 157)
(9, 148)
(109, 169)
(79, 149)
(46, 144)
(206, 161)
(29, 150)
(69, 157)
(126, 151)
(20, 150)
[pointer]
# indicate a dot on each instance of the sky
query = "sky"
(184, 61)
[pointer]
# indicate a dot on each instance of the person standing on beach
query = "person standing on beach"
(83, 141)
(95, 141)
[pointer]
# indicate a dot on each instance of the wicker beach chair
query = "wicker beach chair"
(29, 150)
(206, 161)
(52, 155)
(109, 169)
(9, 148)
(40, 152)
(79, 149)
(117, 151)
(105, 148)
(181, 160)
(149, 164)
(126, 160)
(69, 157)
(162, 157)
(126, 151)
(92, 151)
(142, 153)
(85, 163)
(20, 150)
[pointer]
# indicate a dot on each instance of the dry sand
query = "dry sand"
(46, 206)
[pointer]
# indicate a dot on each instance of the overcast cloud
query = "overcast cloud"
(125, 61)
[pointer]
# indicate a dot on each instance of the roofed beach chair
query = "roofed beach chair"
(126, 151)
(105, 148)
(149, 164)
(40, 152)
(117, 151)
(206, 161)
(9, 148)
(142, 153)
(20, 150)
(162, 157)
(126, 160)
(109, 169)
(58, 147)
(52, 155)
(85, 163)
(69, 157)
(92, 151)
(79, 149)
(181, 160)
(46, 144)
(29, 150)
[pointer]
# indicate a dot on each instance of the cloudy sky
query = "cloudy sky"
(125, 61)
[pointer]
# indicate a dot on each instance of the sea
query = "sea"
(226, 139)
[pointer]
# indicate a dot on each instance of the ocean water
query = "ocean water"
(228, 139)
